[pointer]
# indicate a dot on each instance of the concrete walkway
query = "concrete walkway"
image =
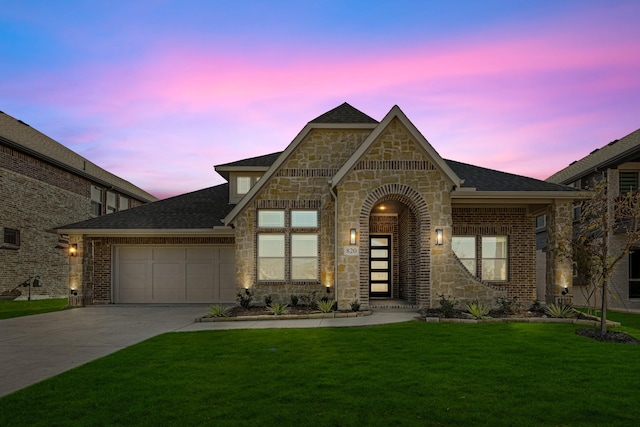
(33, 348)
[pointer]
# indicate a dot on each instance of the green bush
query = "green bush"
(475, 310)
(560, 311)
(355, 305)
(245, 298)
(219, 310)
(509, 306)
(294, 300)
(268, 299)
(325, 305)
(448, 306)
(278, 309)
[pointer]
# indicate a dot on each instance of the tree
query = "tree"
(607, 231)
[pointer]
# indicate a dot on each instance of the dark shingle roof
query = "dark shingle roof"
(344, 113)
(483, 179)
(196, 210)
(265, 160)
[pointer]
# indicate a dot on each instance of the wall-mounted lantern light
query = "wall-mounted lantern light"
(352, 236)
(73, 249)
(439, 236)
(565, 291)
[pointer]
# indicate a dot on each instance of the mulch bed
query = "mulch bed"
(259, 310)
(610, 336)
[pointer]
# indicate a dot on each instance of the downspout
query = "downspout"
(335, 241)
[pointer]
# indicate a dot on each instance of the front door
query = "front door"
(380, 266)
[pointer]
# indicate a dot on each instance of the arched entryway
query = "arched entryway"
(395, 242)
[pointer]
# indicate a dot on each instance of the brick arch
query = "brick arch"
(419, 209)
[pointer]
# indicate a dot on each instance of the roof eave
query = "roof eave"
(518, 196)
(147, 232)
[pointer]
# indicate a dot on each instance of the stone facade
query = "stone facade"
(559, 262)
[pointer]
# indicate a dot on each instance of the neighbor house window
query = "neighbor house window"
(283, 254)
(124, 203)
(11, 237)
(96, 200)
(271, 256)
(541, 222)
(577, 212)
(494, 258)
(465, 249)
(628, 182)
(243, 184)
(111, 202)
(634, 273)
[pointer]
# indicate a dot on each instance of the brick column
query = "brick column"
(559, 272)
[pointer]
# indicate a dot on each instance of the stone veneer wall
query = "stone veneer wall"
(559, 263)
(519, 228)
(92, 271)
(302, 178)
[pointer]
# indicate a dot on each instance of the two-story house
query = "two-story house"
(618, 163)
(353, 208)
(42, 185)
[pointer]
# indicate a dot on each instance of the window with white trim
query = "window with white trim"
(123, 203)
(494, 258)
(465, 249)
(271, 258)
(243, 184)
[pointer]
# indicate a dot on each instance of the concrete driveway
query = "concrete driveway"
(34, 348)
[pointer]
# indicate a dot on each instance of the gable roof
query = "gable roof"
(483, 179)
(396, 113)
(22, 137)
(613, 154)
(350, 120)
(199, 210)
(344, 113)
(253, 164)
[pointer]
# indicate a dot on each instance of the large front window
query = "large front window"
(287, 245)
(494, 258)
(465, 249)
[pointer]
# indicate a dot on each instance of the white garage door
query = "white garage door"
(174, 274)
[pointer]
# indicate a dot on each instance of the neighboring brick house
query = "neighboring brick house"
(42, 185)
(618, 163)
(353, 208)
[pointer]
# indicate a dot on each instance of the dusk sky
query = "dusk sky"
(158, 92)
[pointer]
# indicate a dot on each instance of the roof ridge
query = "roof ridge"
(344, 113)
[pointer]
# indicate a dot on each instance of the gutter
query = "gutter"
(335, 241)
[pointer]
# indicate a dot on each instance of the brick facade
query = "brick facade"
(38, 196)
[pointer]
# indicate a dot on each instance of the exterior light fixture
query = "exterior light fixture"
(73, 249)
(565, 291)
(328, 289)
(439, 236)
(352, 236)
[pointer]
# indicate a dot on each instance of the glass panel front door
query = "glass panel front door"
(380, 266)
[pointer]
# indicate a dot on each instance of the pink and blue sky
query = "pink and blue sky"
(160, 91)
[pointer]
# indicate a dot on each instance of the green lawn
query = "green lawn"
(410, 374)
(26, 308)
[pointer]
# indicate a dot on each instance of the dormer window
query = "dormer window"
(243, 185)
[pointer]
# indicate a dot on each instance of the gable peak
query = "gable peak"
(344, 113)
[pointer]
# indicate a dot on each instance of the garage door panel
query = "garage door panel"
(169, 254)
(175, 274)
(201, 282)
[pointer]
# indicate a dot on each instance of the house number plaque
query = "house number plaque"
(351, 250)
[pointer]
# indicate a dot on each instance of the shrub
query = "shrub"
(219, 310)
(268, 299)
(278, 309)
(536, 307)
(355, 305)
(325, 305)
(294, 300)
(509, 306)
(310, 299)
(448, 305)
(475, 310)
(245, 298)
(560, 311)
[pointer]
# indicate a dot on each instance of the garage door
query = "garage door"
(174, 274)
